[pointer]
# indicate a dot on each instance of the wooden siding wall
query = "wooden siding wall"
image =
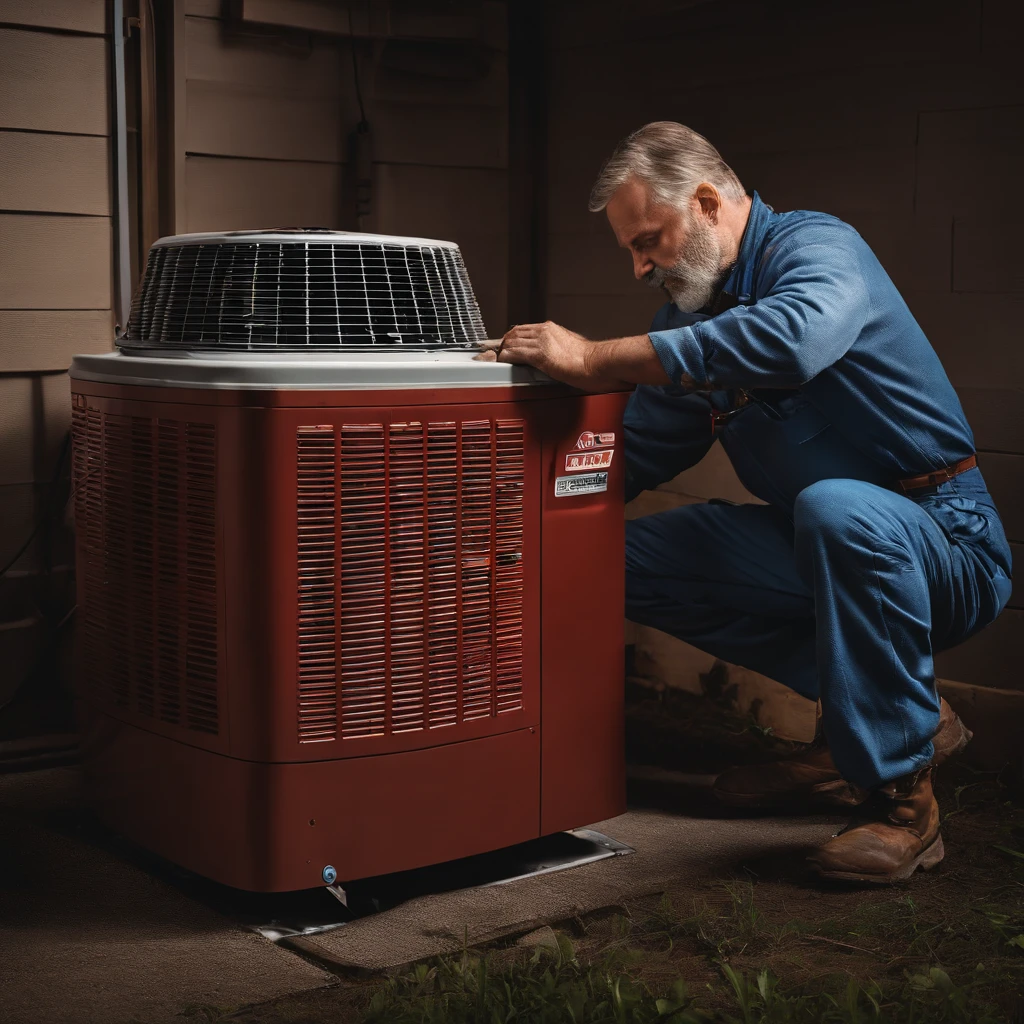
(267, 120)
(907, 120)
(264, 143)
(55, 239)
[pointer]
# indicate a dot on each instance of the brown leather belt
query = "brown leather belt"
(940, 476)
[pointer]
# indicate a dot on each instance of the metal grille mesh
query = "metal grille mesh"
(410, 600)
(145, 517)
(303, 295)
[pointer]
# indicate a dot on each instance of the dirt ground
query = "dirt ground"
(763, 944)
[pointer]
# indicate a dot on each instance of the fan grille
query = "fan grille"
(304, 295)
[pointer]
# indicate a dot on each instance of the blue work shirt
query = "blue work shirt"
(842, 379)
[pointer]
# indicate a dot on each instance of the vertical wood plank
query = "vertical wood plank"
(178, 119)
(528, 163)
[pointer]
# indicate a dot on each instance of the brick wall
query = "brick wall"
(907, 120)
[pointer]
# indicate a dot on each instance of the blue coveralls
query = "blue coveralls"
(841, 587)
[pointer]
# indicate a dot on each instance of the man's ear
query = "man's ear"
(710, 201)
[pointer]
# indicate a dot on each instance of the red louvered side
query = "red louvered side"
(169, 669)
(143, 557)
(420, 578)
(442, 615)
(476, 560)
(361, 508)
(146, 525)
(508, 565)
(87, 467)
(369, 611)
(407, 542)
(200, 524)
(317, 667)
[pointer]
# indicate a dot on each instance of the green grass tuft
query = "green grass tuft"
(554, 986)
(550, 987)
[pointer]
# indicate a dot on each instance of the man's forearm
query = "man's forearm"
(630, 360)
(562, 354)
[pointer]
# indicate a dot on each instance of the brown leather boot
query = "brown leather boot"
(810, 781)
(897, 833)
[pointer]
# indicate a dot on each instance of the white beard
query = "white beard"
(693, 279)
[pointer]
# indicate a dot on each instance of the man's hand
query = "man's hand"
(569, 357)
(556, 351)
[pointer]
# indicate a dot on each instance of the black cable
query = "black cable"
(355, 68)
(52, 483)
(24, 547)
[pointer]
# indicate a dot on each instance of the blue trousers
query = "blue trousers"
(844, 600)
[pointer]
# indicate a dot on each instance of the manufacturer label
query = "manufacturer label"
(588, 439)
(576, 462)
(586, 483)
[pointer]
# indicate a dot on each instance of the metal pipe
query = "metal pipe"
(119, 137)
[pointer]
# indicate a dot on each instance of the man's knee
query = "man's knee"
(836, 510)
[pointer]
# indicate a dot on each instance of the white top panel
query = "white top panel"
(308, 371)
(313, 237)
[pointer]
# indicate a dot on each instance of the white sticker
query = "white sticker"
(587, 483)
(576, 462)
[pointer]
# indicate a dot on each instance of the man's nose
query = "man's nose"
(641, 265)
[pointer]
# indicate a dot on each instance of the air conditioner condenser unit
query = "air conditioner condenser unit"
(348, 597)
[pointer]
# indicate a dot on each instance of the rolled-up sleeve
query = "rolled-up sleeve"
(814, 305)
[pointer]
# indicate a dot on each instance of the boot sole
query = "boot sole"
(928, 858)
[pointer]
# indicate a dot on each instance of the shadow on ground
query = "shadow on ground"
(713, 918)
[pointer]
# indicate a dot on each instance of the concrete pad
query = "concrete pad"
(86, 937)
(670, 849)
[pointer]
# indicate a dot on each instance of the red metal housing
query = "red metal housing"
(355, 628)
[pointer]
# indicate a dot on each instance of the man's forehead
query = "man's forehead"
(630, 212)
(628, 233)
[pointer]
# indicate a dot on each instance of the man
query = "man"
(879, 544)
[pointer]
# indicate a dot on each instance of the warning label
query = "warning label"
(576, 462)
(587, 483)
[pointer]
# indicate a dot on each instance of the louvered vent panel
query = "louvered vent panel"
(477, 565)
(429, 573)
(87, 427)
(318, 714)
(117, 564)
(407, 523)
(142, 545)
(362, 633)
(145, 512)
(442, 573)
(201, 578)
(170, 665)
(320, 294)
(508, 573)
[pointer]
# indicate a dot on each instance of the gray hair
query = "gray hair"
(672, 160)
